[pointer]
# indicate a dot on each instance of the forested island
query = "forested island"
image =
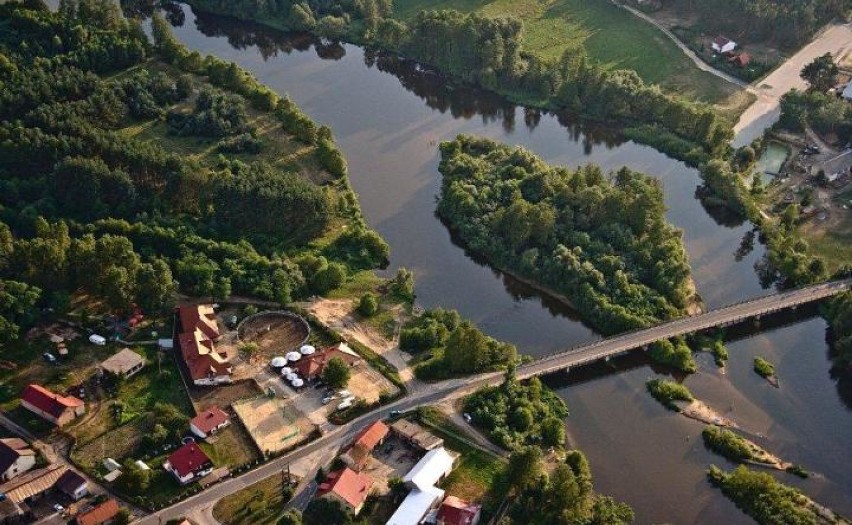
(113, 182)
(486, 51)
(600, 240)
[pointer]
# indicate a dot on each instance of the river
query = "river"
(388, 118)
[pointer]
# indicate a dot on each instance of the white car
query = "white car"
(344, 394)
(328, 399)
(346, 403)
(59, 508)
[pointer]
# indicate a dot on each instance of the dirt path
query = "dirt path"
(452, 408)
(337, 314)
(699, 63)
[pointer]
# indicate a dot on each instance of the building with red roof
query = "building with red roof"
(103, 513)
(311, 366)
(209, 422)
(456, 511)
(741, 60)
(57, 409)
(348, 487)
(188, 463)
(368, 439)
(195, 338)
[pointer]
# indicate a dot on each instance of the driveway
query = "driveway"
(765, 111)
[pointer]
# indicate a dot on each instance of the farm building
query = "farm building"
(196, 336)
(723, 45)
(348, 487)
(57, 409)
(209, 422)
(126, 363)
(416, 506)
(31, 486)
(188, 463)
(415, 435)
(431, 469)
(368, 439)
(16, 457)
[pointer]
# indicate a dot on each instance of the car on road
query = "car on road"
(467, 418)
(395, 413)
(59, 508)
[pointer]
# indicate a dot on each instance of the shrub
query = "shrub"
(667, 392)
(763, 367)
(368, 305)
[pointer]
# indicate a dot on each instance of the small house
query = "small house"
(126, 363)
(111, 465)
(723, 45)
(209, 422)
(741, 60)
(311, 366)
(57, 409)
(368, 439)
(73, 485)
(415, 435)
(348, 487)
(188, 463)
(16, 457)
(456, 511)
(100, 514)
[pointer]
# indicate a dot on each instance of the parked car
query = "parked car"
(327, 399)
(59, 508)
(344, 393)
(466, 417)
(346, 403)
(50, 358)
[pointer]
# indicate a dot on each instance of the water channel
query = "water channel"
(388, 118)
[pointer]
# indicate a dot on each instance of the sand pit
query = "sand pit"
(274, 333)
(273, 423)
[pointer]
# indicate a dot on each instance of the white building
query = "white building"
(416, 506)
(16, 457)
(431, 469)
(723, 45)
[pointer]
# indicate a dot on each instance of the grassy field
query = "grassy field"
(261, 503)
(610, 34)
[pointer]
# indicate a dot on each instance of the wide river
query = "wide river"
(389, 118)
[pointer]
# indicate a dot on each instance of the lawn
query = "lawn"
(261, 503)
(610, 34)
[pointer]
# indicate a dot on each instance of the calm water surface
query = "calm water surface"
(388, 118)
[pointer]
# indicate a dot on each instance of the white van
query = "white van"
(96, 339)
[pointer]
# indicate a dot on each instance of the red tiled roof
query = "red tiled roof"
(455, 511)
(198, 331)
(46, 401)
(371, 436)
(349, 485)
(100, 514)
(742, 59)
(209, 419)
(312, 365)
(199, 316)
(188, 459)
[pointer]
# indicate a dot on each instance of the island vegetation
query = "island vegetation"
(601, 241)
(769, 501)
(487, 51)
(667, 392)
(763, 368)
(112, 182)
(515, 414)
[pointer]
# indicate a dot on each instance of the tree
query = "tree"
(466, 349)
(524, 469)
(368, 305)
(122, 518)
(336, 373)
(397, 487)
(553, 432)
(323, 511)
(290, 517)
(154, 286)
(135, 479)
(522, 418)
(402, 285)
(821, 73)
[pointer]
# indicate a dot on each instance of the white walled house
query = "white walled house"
(723, 45)
(16, 457)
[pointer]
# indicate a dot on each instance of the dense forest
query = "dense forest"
(87, 202)
(790, 23)
(486, 52)
(600, 240)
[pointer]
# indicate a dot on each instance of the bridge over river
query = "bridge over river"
(621, 344)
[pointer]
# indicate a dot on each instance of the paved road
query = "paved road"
(836, 39)
(445, 390)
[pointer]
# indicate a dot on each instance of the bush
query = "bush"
(727, 443)
(720, 353)
(243, 143)
(667, 392)
(676, 354)
(763, 367)
(368, 305)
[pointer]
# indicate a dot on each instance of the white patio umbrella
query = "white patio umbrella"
(278, 362)
(307, 350)
(292, 377)
(286, 370)
(297, 382)
(294, 356)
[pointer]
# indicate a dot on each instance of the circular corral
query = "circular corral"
(275, 332)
